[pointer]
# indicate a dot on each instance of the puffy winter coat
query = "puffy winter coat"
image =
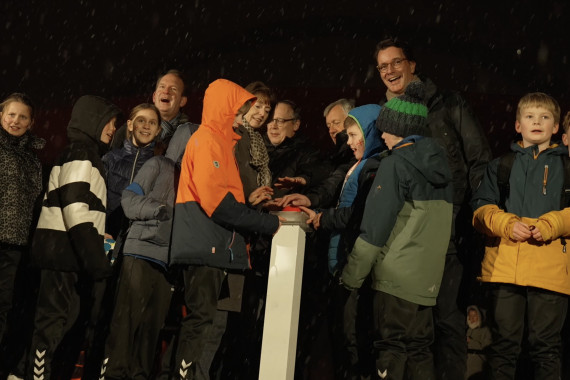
(335, 219)
(121, 166)
(21, 184)
(536, 203)
(70, 231)
(210, 213)
(406, 224)
(149, 201)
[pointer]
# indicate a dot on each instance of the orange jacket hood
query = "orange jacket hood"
(209, 170)
(222, 101)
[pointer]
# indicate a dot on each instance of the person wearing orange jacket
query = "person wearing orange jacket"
(210, 217)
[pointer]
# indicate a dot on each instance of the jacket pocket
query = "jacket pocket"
(156, 232)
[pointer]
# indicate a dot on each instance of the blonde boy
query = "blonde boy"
(525, 258)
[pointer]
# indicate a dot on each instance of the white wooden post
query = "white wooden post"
(279, 343)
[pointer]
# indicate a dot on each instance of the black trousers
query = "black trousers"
(450, 346)
(142, 302)
(545, 312)
(9, 260)
(202, 287)
(57, 309)
(404, 334)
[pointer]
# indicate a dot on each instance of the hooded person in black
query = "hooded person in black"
(68, 243)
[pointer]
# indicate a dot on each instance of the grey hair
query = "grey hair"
(346, 104)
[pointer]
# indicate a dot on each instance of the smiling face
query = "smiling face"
(168, 96)
(395, 80)
(108, 131)
(16, 118)
(258, 113)
(355, 140)
(536, 125)
(335, 121)
(144, 127)
(283, 125)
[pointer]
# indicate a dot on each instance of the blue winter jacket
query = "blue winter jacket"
(121, 166)
(365, 116)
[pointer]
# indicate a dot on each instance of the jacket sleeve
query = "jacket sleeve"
(384, 202)
(554, 224)
(477, 152)
(323, 194)
(137, 205)
(493, 221)
(81, 193)
(336, 219)
(235, 215)
(360, 262)
(312, 168)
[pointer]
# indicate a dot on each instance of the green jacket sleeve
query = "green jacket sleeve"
(361, 260)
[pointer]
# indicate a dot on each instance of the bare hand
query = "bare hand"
(272, 205)
(107, 236)
(314, 218)
(289, 182)
(262, 193)
(536, 234)
(521, 231)
(294, 200)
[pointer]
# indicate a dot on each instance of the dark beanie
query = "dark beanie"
(405, 115)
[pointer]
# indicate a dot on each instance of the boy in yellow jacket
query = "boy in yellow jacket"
(521, 206)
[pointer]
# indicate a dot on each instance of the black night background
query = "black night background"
(312, 52)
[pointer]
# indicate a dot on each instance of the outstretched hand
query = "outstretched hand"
(289, 183)
(294, 200)
(314, 218)
(262, 193)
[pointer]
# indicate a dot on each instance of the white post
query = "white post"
(279, 343)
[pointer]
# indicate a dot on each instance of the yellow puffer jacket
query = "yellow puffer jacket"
(530, 263)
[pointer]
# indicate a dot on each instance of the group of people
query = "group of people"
(176, 208)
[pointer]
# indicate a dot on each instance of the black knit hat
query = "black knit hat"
(405, 115)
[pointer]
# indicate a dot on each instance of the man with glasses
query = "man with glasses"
(454, 125)
(293, 162)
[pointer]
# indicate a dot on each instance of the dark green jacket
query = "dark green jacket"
(406, 224)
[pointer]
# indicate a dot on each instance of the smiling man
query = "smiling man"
(453, 124)
(293, 161)
(169, 97)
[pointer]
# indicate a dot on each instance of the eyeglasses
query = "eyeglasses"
(280, 121)
(396, 64)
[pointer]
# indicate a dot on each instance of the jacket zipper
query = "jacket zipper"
(545, 179)
(134, 166)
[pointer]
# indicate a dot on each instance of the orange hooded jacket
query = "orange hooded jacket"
(210, 205)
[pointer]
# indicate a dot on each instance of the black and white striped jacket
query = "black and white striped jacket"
(70, 232)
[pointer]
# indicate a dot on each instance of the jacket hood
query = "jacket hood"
(481, 316)
(222, 100)
(427, 156)
(89, 116)
(556, 149)
(365, 116)
(177, 145)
